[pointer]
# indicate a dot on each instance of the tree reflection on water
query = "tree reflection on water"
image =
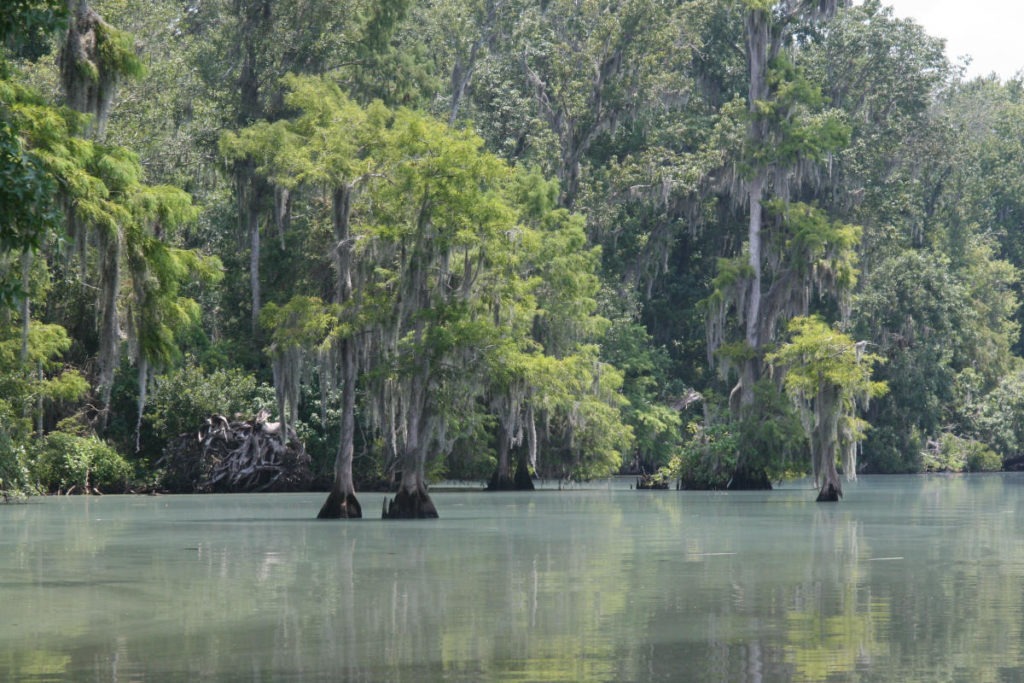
(910, 578)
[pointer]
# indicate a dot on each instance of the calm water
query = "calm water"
(909, 578)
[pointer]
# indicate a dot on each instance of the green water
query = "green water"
(909, 578)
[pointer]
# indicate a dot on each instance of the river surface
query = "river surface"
(907, 579)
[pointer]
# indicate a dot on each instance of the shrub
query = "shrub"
(14, 477)
(183, 399)
(952, 453)
(65, 462)
(708, 459)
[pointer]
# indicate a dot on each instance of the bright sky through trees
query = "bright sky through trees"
(987, 30)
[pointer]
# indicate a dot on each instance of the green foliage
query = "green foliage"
(64, 462)
(184, 398)
(708, 459)
(932, 323)
(771, 435)
(116, 51)
(32, 376)
(818, 355)
(14, 474)
(996, 418)
(26, 26)
(952, 453)
(647, 385)
(26, 189)
(799, 125)
(822, 252)
(828, 377)
(159, 270)
(304, 322)
(469, 282)
(25, 193)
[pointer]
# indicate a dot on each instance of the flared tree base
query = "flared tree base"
(340, 506)
(406, 505)
(750, 479)
(830, 493)
(522, 481)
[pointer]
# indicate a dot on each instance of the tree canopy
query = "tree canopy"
(495, 240)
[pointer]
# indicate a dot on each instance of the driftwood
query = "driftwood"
(236, 456)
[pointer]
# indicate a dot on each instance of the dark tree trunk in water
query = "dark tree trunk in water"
(749, 479)
(411, 502)
(342, 503)
(503, 479)
(830, 492)
(825, 441)
(523, 481)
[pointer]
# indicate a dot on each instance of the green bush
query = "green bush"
(955, 454)
(14, 476)
(63, 462)
(183, 399)
(983, 459)
(999, 416)
(708, 459)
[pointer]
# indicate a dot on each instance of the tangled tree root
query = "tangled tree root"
(234, 457)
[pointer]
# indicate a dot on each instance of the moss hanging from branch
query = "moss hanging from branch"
(94, 58)
(828, 377)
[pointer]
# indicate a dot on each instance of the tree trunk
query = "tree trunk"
(88, 81)
(742, 398)
(757, 25)
(824, 443)
(522, 479)
(252, 222)
(747, 478)
(501, 480)
(110, 330)
(342, 502)
(412, 500)
(140, 403)
(26, 304)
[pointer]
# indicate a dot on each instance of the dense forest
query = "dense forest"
(251, 245)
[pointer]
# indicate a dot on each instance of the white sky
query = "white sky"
(990, 31)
